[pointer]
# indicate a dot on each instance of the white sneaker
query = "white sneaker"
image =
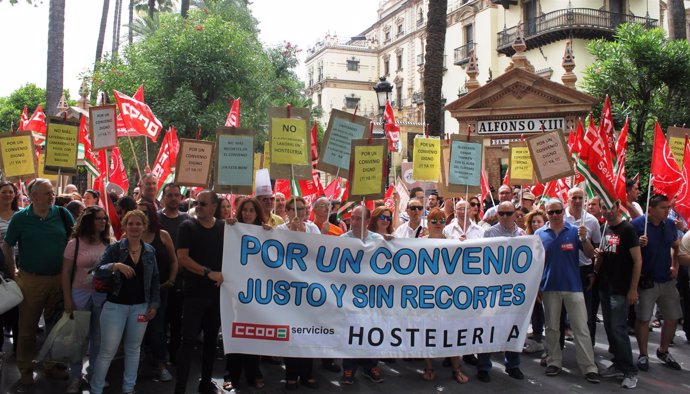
(74, 386)
(629, 382)
(164, 375)
(532, 346)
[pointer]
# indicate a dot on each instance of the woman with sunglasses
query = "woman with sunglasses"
(90, 237)
(476, 206)
(436, 221)
(382, 222)
(91, 197)
(299, 368)
(166, 259)
(250, 211)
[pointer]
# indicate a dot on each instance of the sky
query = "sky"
(24, 32)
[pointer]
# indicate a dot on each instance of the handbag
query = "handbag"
(103, 282)
(10, 294)
(68, 339)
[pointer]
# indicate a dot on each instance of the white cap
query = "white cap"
(263, 183)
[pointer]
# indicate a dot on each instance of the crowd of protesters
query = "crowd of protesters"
(167, 257)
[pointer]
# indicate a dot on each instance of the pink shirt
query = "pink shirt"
(89, 256)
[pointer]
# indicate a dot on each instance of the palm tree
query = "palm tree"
(130, 35)
(676, 25)
(144, 26)
(433, 65)
(184, 8)
(56, 55)
(116, 26)
(101, 30)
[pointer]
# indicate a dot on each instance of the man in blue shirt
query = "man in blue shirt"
(659, 242)
(561, 284)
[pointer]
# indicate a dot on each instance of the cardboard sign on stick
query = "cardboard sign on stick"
(462, 164)
(102, 127)
(426, 165)
(194, 163)
(520, 164)
(368, 169)
(235, 160)
(676, 140)
(40, 165)
(550, 156)
(62, 141)
(290, 143)
(343, 127)
(17, 156)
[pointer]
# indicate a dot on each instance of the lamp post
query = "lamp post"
(383, 89)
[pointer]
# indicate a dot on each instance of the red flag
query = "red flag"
(283, 186)
(233, 119)
(122, 130)
(24, 120)
(116, 172)
(333, 190)
(595, 165)
(137, 115)
(506, 178)
(682, 205)
(391, 128)
(571, 141)
(90, 158)
(486, 188)
(667, 177)
(110, 210)
(388, 198)
(314, 143)
(37, 125)
(619, 171)
(606, 129)
(311, 187)
(165, 161)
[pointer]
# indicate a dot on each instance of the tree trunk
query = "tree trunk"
(184, 8)
(56, 55)
(101, 30)
(130, 35)
(116, 27)
(433, 65)
(152, 8)
(676, 20)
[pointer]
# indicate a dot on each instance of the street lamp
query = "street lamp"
(383, 90)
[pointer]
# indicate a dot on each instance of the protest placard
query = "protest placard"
(235, 160)
(102, 127)
(17, 156)
(676, 140)
(550, 156)
(463, 165)
(343, 127)
(290, 143)
(40, 165)
(194, 162)
(293, 294)
(368, 169)
(62, 141)
(521, 170)
(426, 164)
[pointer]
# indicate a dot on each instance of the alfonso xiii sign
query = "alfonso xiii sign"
(519, 125)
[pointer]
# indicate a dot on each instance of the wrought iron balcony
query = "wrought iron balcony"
(462, 54)
(558, 25)
(418, 97)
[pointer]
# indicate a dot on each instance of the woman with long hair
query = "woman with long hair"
(131, 304)
(534, 221)
(382, 222)
(166, 258)
(9, 197)
(250, 211)
(436, 221)
(90, 237)
(223, 210)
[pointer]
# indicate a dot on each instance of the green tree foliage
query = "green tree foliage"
(647, 77)
(11, 107)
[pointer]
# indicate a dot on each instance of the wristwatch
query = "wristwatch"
(206, 272)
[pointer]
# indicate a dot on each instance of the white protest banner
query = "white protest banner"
(304, 295)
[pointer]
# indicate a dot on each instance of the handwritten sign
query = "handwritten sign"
(343, 127)
(289, 143)
(102, 127)
(520, 164)
(549, 154)
(236, 161)
(62, 140)
(17, 156)
(676, 140)
(194, 163)
(40, 164)
(465, 163)
(426, 164)
(369, 165)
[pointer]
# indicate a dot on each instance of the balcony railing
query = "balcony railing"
(420, 21)
(461, 54)
(420, 59)
(417, 97)
(585, 23)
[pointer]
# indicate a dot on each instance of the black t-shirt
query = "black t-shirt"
(132, 289)
(206, 248)
(617, 264)
(172, 225)
(162, 258)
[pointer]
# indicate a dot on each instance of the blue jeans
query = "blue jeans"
(615, 311)
(89, 301)
(512, 360)
(116, 319)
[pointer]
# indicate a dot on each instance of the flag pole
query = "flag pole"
(292, 179)
(467, 199)
(649, 192)
(146, 144)
(330, 205)
(362, 213)
(59, 188)
(131, 145)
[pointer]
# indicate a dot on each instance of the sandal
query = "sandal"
(460, 377)
(429, 374)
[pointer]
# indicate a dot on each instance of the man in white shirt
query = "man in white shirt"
(413, 228)
(462, 227)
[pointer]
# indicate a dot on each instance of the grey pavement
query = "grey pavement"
(406, 376)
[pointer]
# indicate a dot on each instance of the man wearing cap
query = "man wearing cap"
(528, 200)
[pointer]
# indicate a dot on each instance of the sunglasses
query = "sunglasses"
(474, 204)
(555, 212)
(415, 208)
(504, 213)
(437, 221)
(385, 217)
(203, 203)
